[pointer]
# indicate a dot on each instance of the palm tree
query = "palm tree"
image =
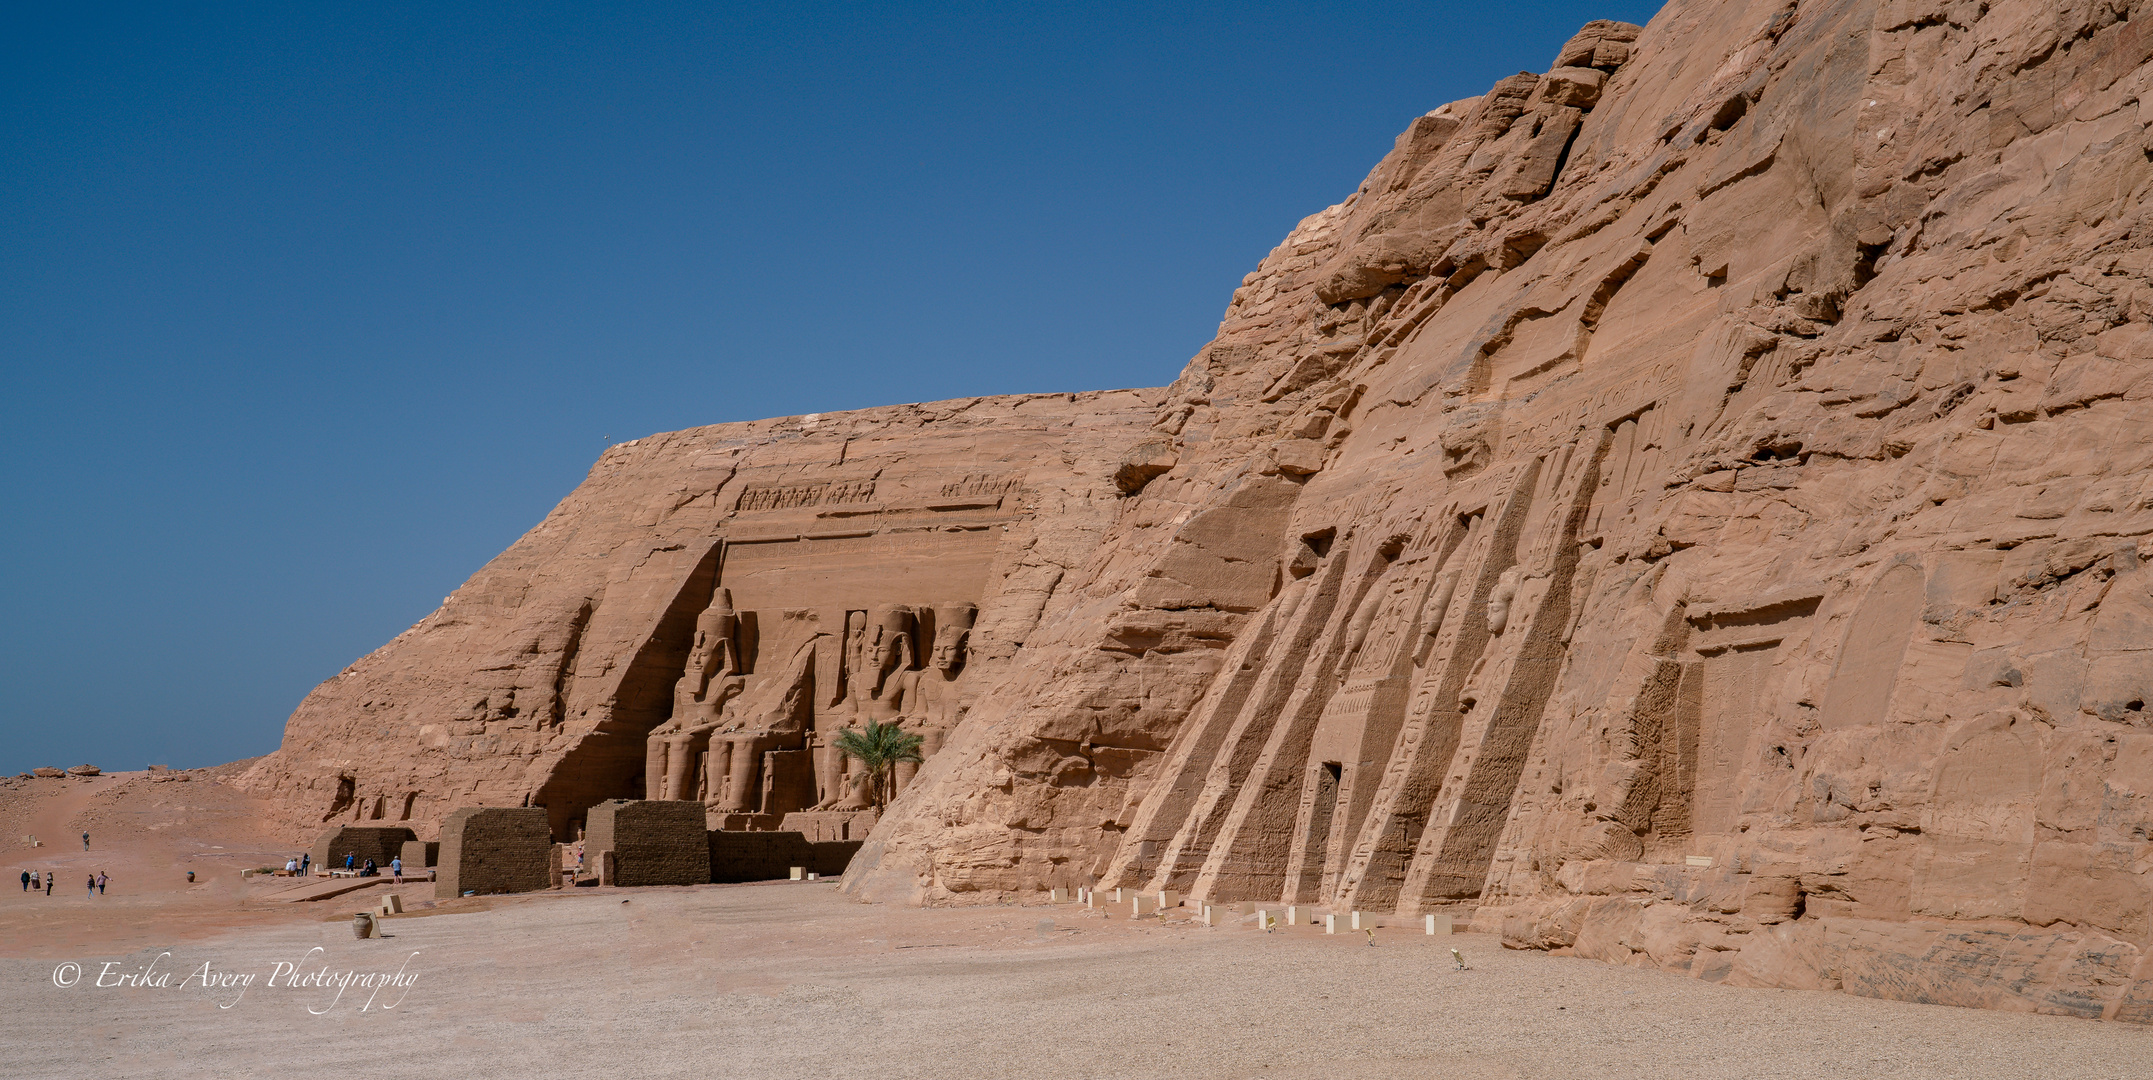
(878, 748)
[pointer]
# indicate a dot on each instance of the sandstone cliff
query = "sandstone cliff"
(1685, 507)
(537, 682)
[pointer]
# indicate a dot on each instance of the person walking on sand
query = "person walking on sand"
(396, 869)
(26, 881)
(101, 879)
(48, 883)
(92, 894)
(85, 841)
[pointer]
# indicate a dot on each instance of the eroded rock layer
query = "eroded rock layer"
(1685, 507)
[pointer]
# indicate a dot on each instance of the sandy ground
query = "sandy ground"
(794, 980)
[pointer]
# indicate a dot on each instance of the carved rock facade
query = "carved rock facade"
(1685, 507)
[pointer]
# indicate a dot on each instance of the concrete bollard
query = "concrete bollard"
(1139, 906)
(1169, 899)
(814, 877)
(1363, 922)
(1293, 914)
(1263, 918)
(1057, 896)
(1210, 915)
(1330, 924)
(799, 873)
(1438, 924)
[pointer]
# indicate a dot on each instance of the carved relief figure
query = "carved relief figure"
(1499, 601)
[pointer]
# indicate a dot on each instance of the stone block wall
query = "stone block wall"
(654, 842)
(495, 849)
(377, 842)
(770, 856)
(420, 854)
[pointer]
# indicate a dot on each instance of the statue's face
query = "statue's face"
(709, 638)
(886, 653)
(948, 651)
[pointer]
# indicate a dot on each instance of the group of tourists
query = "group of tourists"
(32, 881)
(303, 865)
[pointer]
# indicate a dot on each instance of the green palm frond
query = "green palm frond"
(878, 748)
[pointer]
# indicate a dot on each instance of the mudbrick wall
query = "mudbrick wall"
(490, 850)
(655, 843)
(1685, 508)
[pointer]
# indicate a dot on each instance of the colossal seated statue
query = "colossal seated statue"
(710, 681)
(933, 700)
(880, 661)
(734, 773)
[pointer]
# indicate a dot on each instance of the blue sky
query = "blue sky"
(306, 313)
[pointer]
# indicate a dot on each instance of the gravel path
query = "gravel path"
(791, 980)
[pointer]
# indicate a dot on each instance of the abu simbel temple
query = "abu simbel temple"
(1689, 507)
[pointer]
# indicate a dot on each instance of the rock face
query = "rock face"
(544, 678)
(1684, 507)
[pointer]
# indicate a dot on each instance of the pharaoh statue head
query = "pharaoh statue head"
(952, 629)
(889, 631)
(716, 650)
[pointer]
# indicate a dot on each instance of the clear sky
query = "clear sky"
(306, 311)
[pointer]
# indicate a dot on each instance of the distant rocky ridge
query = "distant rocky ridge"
(1685, 508)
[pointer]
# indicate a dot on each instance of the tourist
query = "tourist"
(93, 887)
(291, 868)
(347, 861)
(48, 883)
(26, 881)
(85, 841)
(306, 863)
(371, 870)
(396, 869)
(101, 879)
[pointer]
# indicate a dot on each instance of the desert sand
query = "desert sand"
(789, 979)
